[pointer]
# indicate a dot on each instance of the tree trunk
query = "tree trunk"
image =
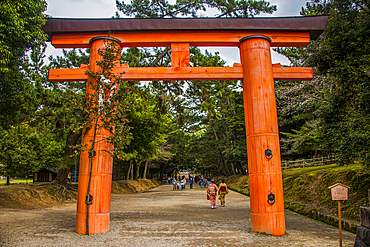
(241, 168)
(138, 165)
(68, 162)
(132, 170)
(62, 176)
(163, 167)
(7, 180)
(220, 150)
(145, 168)
(115, 175)
(128, 172)
(232, 167)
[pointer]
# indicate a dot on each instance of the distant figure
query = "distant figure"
(212, 193)
(191, 181)
(174, 183)
(223, 191)
(182, 183)
(203, 182)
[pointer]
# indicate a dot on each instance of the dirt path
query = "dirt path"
(162, 217)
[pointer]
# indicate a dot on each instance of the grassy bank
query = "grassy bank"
(306, 192)
(133, 186)
(42, 195)
(17, 181)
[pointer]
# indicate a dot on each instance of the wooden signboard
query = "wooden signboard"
(339, 192)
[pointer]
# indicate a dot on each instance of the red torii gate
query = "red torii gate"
(253, 36)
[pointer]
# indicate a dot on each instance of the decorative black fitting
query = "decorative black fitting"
(89, 199)
(268, 154)
(104, 37)
(256, 36)
(92, 154)
(271, 198)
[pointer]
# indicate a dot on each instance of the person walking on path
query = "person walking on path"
(212, 193)
(182, 183)
(191, 181)
(174, 183)
(222, 192)
(208, 181)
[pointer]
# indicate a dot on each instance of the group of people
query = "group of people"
(203, 181)
(180, 184)
(212, 189)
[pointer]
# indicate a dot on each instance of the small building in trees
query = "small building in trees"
(44, 175)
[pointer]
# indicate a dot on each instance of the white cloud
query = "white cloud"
(81, 8)
(287, 7)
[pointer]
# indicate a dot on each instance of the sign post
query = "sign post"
(339, 192)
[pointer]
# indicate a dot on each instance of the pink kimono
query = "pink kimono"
(212, 192)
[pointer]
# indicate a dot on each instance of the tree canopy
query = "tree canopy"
(332, 110)
(194, 8)
(20, 31)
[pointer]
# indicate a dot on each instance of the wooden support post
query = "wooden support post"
(339, 192)
(264, 162)
(340, 224)
(180, 55)
(95, 176)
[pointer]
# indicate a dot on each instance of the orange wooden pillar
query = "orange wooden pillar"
(94, 218)
(265, 177)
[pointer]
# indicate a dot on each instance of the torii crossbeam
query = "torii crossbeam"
(253, 36)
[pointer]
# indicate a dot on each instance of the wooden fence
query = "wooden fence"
(319, 161)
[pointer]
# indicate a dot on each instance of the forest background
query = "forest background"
(163, 127)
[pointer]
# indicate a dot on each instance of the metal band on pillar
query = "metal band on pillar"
(265, 177)
(105, 38)
(255, 37)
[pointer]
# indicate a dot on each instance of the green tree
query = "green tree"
(343, 54)
(24, 149)
(206, 111)
(340, 57)
(147, 132)
(20, 31)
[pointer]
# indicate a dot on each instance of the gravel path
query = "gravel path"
(162, 217)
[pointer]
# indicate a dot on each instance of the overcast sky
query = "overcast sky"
(107, 9)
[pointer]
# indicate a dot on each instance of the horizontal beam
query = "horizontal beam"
(195, 38)
(292, 73)
(61, 75)
(182, 73)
